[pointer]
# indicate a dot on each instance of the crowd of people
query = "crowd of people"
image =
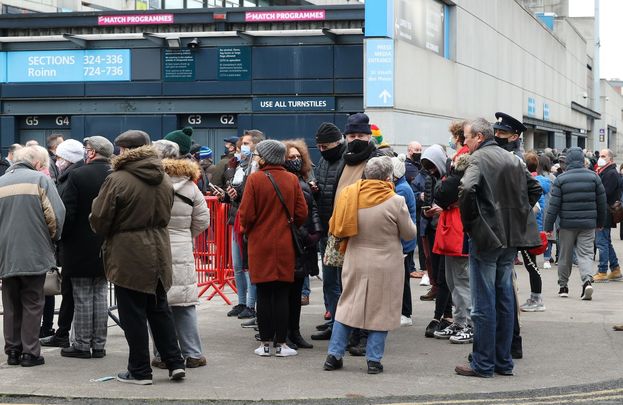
(127, 214)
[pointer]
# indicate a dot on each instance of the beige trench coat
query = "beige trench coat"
(373, 272)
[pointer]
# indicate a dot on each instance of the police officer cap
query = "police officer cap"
(508, 124)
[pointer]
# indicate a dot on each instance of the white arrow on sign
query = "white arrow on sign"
(385, 95)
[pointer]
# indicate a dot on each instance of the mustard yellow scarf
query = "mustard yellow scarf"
(362, 194)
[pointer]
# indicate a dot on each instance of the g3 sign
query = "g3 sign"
(209, 120)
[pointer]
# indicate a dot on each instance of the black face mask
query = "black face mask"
(357, 146)
(505, 144)
(416, 157)
(333, 154)
(293, 166)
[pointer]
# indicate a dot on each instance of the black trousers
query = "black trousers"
(272, 310)
(443, 301)
(294, 314)
(135, 310)
(66, 312)
(407, 307)
(529, 261)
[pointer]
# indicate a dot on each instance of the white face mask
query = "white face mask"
(601, 162)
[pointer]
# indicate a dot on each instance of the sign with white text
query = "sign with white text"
(294, 104)
(379, 73)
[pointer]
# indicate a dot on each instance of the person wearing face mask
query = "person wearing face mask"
(607, 171)
(507, 133)
(330, 143)
(32, 220)
(299, 163)
(217, 171)
(69, 156)
(413, 167)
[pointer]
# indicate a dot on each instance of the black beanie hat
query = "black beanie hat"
(358, 124)
(327, 133)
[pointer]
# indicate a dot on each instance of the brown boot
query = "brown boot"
(429, 296)
(194, 363)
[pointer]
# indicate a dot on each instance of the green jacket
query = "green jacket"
(132, 212)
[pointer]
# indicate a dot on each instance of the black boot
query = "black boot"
(297, 339)
(322, 335)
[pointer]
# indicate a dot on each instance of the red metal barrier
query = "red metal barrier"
(213, 253)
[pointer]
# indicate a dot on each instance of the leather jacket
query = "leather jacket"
(496, 196)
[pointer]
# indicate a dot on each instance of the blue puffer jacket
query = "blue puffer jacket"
(578, 197)
(404, 190)
(546, 185)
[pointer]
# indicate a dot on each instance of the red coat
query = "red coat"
(264, 221)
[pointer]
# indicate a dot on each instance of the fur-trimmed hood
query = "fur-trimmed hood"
(461, 163)
(182, 168)
(143, 162)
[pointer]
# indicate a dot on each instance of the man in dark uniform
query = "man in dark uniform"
(218, 170)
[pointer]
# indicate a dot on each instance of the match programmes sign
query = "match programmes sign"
(300, 15)
(68, 66)
(135, 19)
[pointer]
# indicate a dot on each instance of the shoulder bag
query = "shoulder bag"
(52, 285)
(299, 246)
(332, 254)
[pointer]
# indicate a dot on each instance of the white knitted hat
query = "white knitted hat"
(70, 150)
(399, 165)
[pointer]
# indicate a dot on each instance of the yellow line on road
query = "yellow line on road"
(550, 399)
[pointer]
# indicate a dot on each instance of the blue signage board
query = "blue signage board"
(68, 66)
(379, 18)
(379, 72)
(531, 107)
(295, 103)
(2, 67)
(545, 112)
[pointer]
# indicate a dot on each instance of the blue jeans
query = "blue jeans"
(493, 309)
(606, 251)
(306, 290)
(548, 252)
(331, 283)
(246, 291)
(339, 339)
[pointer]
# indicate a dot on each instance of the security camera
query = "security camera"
(585, 95)
(194, 44)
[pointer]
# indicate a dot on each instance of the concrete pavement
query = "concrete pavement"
(571, 343)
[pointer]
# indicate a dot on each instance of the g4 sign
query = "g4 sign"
(210, 120)
(46, 121)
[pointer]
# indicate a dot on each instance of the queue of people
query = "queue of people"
(465, 210)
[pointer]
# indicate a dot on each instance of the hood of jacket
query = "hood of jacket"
(437, 156)
(184, 168)
(575, 158)
(462, 162)
(143, 162)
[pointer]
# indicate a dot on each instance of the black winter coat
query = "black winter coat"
(327, 176)
(79, 245)
(311, 231)
(612, 186)
(4, 164)
(577, 197)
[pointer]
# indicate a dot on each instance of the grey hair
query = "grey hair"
(610, 153)
(256, 135)
(33, 154)
(167, 149)
(15, 147)
(481, 125)
(379, 168)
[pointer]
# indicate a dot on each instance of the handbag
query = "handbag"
(616, 210)
(539, 250)
(52, 285)
(332, 254)
(297, 241)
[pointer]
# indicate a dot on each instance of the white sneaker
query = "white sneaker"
(405, 321)
(263, 350)
(547, 265)
(284, 351)
(425, 280)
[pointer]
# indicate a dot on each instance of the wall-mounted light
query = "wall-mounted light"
(174, 43)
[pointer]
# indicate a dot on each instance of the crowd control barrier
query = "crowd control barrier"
(213, 254)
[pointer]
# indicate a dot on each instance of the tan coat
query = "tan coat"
(373, 272)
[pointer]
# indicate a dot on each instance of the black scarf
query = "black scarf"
(353, 159)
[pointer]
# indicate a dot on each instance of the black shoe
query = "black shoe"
(235, 311)
(55, 341)
(45, 332)
(374, 367)
(14, 358)
(247, 313)
(323, 326)
(331, 363)
(297, 339)
(250, 323)
(322, 335)
(177, 374)
(563, 292)
(73, 352)
(433, 326)
(28, 360)
(128, 378)
(290, 344)
(587, 291)
(98, 353)
(517, 354)
(358, 350)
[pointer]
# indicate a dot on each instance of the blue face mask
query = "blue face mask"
(237, 156)
(451, 143)
(245, 150)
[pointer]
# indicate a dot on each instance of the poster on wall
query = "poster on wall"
(421, 23)
(178, 65)
(234, 63)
